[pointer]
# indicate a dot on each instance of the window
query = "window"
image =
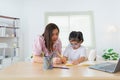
(78, 21)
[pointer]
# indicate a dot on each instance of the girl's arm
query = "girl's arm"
(81, 59)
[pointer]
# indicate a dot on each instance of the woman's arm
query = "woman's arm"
(37, 49)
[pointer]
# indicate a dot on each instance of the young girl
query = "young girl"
(75, 52)
(47, 44)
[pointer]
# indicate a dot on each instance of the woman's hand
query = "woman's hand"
(37, 59)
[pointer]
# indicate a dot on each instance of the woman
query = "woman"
(47, 44)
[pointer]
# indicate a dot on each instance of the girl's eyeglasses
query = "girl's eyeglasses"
(75, 45)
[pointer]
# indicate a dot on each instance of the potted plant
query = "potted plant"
(110, 54)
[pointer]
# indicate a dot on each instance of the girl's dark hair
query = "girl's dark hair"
(48, 35)
(76, 36)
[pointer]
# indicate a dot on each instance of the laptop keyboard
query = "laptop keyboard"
(104, 66)
(108, 67)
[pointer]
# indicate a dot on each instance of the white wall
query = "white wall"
(106, 13)
(10, 7)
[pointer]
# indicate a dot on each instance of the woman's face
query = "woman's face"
(55, 34)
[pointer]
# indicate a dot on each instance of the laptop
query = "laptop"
(107, 67)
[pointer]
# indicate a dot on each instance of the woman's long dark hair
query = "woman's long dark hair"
(48, 35)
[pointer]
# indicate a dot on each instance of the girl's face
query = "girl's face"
(75, 44)
(55, 34)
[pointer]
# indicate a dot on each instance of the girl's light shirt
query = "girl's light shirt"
(39, 46)
(74, 54)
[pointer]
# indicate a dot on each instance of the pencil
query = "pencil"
(59, 55)
(61, 67)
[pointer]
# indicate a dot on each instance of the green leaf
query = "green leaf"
(110, 50)
(110, 54)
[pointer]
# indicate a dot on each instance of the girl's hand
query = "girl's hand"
(64, 60)
(81, 59)
(57, 60)
(75, 62)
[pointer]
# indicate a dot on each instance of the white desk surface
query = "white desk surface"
(34, 71)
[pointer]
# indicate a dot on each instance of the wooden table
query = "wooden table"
(34, 71)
